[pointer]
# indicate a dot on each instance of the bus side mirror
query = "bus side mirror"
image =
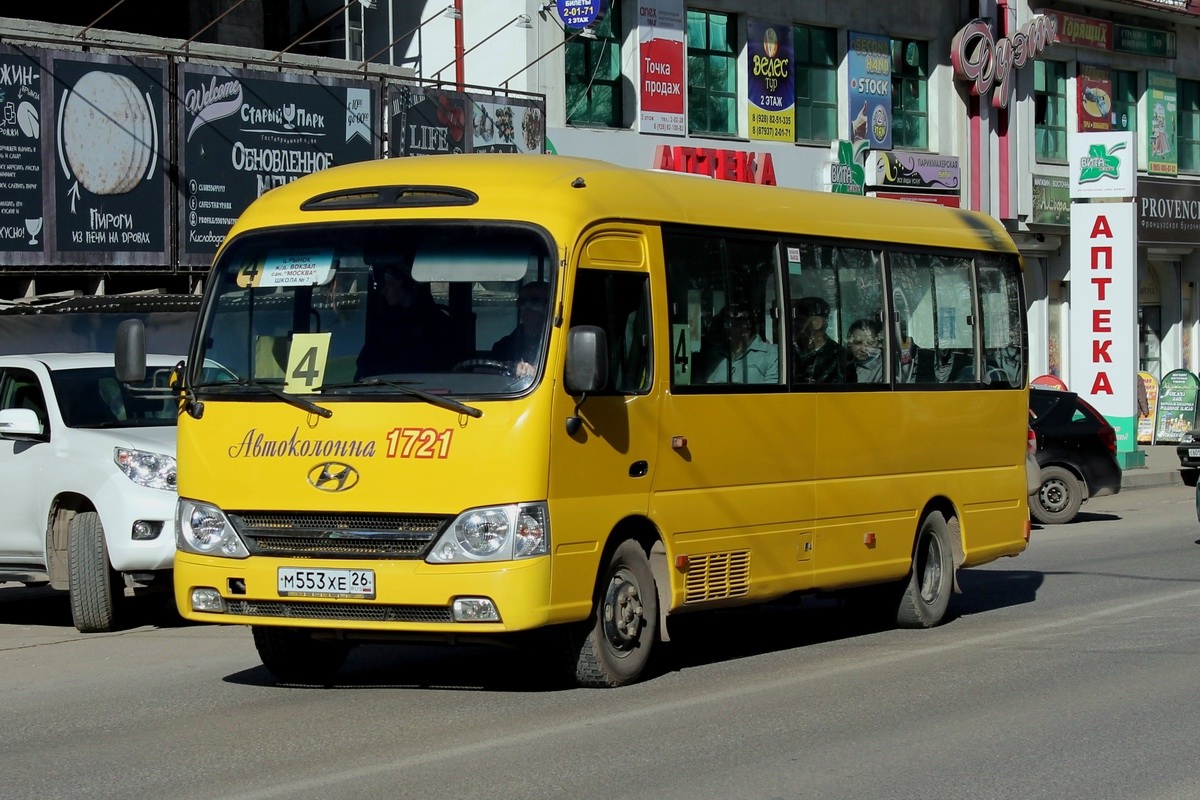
(587, 359)
(130, 351)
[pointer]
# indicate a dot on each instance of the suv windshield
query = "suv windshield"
(450, 309)
(94, 398)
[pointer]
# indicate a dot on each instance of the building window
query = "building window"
(1125, 98)
(1189, 126)
(816, 83)
(1050, 110)
(593, 76)
(712, 73)
(910, 93)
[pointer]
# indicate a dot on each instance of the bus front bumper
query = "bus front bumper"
(408, 596)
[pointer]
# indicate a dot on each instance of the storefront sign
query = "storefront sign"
(771, 105)
(977, 57)
(1182, 6)
(845, 172)
(1102, 164)
(578, 13)
(21, 190)
(918, 172)
(869, 59)
(1094, 98)
(724, 165)
(1168, 212)
(1051, 200)
(1082, 31)
(1144, 41)
(242, 133)
(1177, 395)
(426, 121)
(110, 187)
(1103, 310)
(660, 59)
(1162, 110)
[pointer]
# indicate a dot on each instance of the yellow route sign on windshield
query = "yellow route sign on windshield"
(306, 362)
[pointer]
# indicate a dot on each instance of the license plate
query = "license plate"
(297, 582)
(1194, 452)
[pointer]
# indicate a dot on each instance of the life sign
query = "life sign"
(579, 13)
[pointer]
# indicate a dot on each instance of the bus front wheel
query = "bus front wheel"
(624, 624)
(294, 656)
(931, 580)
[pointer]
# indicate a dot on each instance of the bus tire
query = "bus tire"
(294, 656)
(624, 626)
(1058, 498)
(94, 586)
(931, 580)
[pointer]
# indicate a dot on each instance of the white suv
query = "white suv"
(88, 470)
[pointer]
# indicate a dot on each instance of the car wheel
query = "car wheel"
(94, 586)
(1059, 498)
(931, 580)
(294, 656)
(615, 648)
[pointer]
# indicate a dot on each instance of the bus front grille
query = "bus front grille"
(717, 576)
(334, 535)
(346, 612)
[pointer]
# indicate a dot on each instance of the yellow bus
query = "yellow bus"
(466, 397)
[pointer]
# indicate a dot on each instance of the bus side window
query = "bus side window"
(618, 302)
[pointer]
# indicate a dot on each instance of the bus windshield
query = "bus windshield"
(456, 309)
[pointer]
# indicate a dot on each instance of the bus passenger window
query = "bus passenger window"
(618, 302)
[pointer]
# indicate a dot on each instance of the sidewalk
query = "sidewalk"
(1162, 469)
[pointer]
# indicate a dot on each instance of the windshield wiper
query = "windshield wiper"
(433, 399)
(291, 399)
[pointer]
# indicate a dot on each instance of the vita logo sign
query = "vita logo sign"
(1100, 163)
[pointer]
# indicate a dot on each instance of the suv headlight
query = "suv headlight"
(153, 470)
(204, 529)
(495, 533)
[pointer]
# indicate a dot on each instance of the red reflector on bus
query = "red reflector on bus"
(1028, 526)
(682, 563)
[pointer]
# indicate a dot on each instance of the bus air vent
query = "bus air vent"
(390, 197)
(718, 576)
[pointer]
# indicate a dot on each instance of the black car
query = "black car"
(1077, 451)
(1188, 449)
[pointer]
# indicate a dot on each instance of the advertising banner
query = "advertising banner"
(1144, 41)
(1145, 422)
(869, 59)
(1102, 164)
(917, 172)
(1104, 311)
(1162, 110)
(242, 133)
(771, 105)
(425, 121)
(21, 151)
(110, 188)
(1177, 395)
(1051, 200)
(1082, 31)
(845, 172)
(1168, 213)
(661, 85)
(1094, 98)
(506, 125)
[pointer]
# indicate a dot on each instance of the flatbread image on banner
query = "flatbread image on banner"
(106, 130)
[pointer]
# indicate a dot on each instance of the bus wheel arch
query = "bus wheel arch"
(613, 647)
(932, 578)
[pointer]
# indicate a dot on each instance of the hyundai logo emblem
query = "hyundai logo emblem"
(333, 476)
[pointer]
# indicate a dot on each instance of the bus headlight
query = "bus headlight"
(204, 529)
(495, 533)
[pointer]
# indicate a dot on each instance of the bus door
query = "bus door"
(602, 473)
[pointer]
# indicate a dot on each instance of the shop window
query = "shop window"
(712, 73)
(1189, 126)
(816, 83)
(1125, 98)
(910, 94)
(593, 74)
(1050, 110)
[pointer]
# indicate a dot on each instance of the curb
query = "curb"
(1144, 479)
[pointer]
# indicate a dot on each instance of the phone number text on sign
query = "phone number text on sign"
(579, 13)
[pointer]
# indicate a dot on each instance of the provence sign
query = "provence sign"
(979, 58)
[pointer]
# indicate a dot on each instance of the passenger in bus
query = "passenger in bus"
(916, 363)
(406, 331)
(522, 348)
(744, 357)
(818, 358)
(865, 342)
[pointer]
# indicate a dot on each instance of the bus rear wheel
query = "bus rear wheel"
(294, 656)
(931, 580)
(624, 625)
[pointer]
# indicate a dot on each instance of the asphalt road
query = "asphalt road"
(1069, 672)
